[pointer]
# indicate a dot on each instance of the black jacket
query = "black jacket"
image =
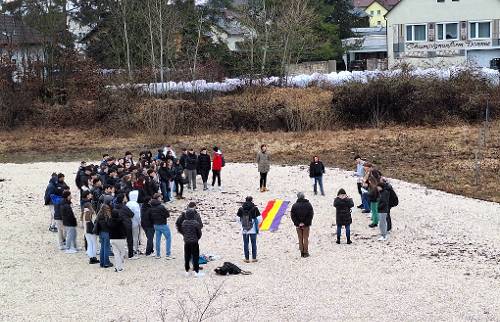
(383, 203)
(316, 169)
(191, 161)
(159, 213)
(116, 226)
(51, 189)
(191, 227)
(166, 174)
(249, 206)
(96, 195)
(150, 187)
(182, 217)
(343, 206)
(302, 212)
(146, 221)
(183, 160)
(60, 187)
(204, 164)
(126, 214)
(101, 224)
(68, 217)
(179, 170)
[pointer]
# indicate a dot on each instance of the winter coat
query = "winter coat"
(302, 212)
(68, 217)
(316, 169)
(343, 207)
(150, 187)
(183, 160)
(104, 199)
(126, 214)
(383, 203)
(190, 227)
(191, 161)
(117, 228)
(373, 194)
(146, 221)
(204, 163)
(88, 215)
(159, 213)
(60, 187)
(182, 217)
(96, 195)
(254, 214)
(217, 161)
(263, 162)
(179, 170)
(134, 206)
(101, 223)
(166, 174)
(51, 189)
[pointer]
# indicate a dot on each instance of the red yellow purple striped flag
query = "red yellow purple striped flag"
(272, 214)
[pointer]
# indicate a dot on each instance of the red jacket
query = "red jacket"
(217, 162)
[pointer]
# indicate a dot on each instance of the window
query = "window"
(379, 22)
(440, 0)
(372, 13)
(480, 30)
(416, 33)
(447, 31)
(378, 12)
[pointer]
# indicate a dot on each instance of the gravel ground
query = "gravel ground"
(442, 261)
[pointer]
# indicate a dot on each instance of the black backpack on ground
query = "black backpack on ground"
(230, 269)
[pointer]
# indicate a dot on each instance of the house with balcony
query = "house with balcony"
(436, 33)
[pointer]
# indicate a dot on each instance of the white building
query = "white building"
(444, 32)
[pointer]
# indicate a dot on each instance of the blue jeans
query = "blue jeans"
(165, 190)
(105, 247)
(165, 231)
(253, 239)
(347, 231)
(365, 201)
(320, 181)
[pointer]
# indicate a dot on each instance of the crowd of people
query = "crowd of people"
(122, 198)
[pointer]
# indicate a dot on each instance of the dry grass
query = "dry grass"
(440, 157)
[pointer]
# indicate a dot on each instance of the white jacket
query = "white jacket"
(135, 207)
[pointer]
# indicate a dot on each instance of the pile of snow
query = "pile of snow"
(302, 81)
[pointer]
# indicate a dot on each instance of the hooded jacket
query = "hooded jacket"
(146, 221)
(204, 163)
(383, 204)
(159, 213)
(190, 227)
(125, 213)
(51, 189)
(217, 161)
(343, 210)
(134, 206)
(254, 214)
(302, 212)
(68, 217)
(116, 226)
(182, 217)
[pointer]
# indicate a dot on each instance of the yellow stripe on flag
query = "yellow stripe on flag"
(266, 224)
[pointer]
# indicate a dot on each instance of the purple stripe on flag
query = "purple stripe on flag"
(277, 218)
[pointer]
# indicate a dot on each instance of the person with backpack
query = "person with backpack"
(263, 166)
(383, 209)
(69, 223)
(134, 206)
(50, 190)
(192, 208)
(191, 166)
(101, 228)
(302, 214)
(88, 227)
(343, 205)
(159, 215)
(117, 237)
(249, 218)
(316, 172)
(217, 164)
(190, 229)
(204, 165)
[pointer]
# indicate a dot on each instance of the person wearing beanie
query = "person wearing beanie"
(263, 166)
(69, 223)
(249, 218)
(190, 229)
(316, 172)
(217, 164)
(343, 204)
(302, 214)
(204, 167)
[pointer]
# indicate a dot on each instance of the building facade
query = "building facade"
(436, 33)
(376, 10)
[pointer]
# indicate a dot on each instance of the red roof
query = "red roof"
(388, 4)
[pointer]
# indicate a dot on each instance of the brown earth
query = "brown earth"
(440, 157)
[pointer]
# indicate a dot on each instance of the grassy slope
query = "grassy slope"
(441, 157)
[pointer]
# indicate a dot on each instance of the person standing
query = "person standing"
(217, 164)
(302, 214)
(102, 229)
(204, 165)
(69, 223)
(159, 215)
(263, 165)
(166, 178)
(191, 166)
(343, 205)
(117, 236)
(179, 179)
(190, 229)
(147, 225)
(383, 209)
(359, 174)
(88, 227)
(134, 206)
(249, 218)
(316, 171)
(50, 190)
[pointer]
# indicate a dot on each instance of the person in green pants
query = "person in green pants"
(373, 196)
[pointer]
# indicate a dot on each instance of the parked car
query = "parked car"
(495, 63)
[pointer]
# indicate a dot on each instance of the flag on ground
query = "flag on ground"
(272, 214)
